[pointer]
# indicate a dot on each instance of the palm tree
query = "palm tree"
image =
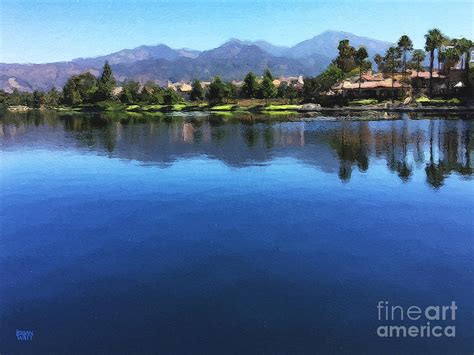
(378, 59)
(392, 63)
(464, 47)
(360, 59)
(434, 40)
(452, 57)
(405, 45)
(441, 60)
(418, 57)
(442, 53)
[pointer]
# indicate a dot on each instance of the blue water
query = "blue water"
(200, 235)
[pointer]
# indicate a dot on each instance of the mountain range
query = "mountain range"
(160, 63)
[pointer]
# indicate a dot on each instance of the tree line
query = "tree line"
(220, 91)
(87, 89)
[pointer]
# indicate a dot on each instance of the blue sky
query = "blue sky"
(53, 30)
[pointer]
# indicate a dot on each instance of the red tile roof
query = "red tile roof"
(426, 75)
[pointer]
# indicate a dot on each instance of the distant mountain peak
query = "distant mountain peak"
(159, 62)
(326, 44)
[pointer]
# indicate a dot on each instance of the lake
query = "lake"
(200, 234)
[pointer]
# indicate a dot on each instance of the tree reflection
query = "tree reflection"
(352, 147)
(250, 135)
(437, 148)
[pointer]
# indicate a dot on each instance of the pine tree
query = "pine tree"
(106, 83)
(71, 94)
(267, 88)
(197, 92)
(250, 87)
(217, 90)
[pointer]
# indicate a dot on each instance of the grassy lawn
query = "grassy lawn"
(282, 107)
(363, 102)
(178, 107)
(132, 108)
(425, 101)
(152, 107)
(223, 108)
(110, 106)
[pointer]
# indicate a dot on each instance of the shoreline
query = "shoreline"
(264, 110)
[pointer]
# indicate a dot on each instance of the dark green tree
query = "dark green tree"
(157, 96)
(267, 89)
(52, 98)
(146, 92)
(197, 92)
(313, 87)
(38, 99)
(4, 100)
(170, 97)
(434, 39)
(417, 58)
(291, 93)
(451, 57)
(230, 91)
(217, 91)
(131, 93)
(378, 59)
(151, 93)
(392, 62)
(71, 94)
(405, 46)
(86, 84)
(464, 47)
(345, 57)
(360, 59)
(106, 83)
(287, 91)
(250, 87)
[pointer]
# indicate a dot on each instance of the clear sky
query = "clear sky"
(53, 30)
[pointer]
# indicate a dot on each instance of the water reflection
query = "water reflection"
(440, 147)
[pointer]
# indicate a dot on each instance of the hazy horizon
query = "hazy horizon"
(53, 31)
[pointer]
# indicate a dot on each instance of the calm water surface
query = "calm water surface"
(206, 234)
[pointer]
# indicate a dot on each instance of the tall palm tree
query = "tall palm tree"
(441, 53)
(378, 59)
(360, 59)
(392, 63)
(464, 47)
(451, 57)
(405, 45)
(418, 57)
(441, 60)
(433, 41)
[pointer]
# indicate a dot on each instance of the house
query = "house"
(421, 80)
(368, 86)
(453, 80)
(185, 87)
(296, 81)
(181, 87)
